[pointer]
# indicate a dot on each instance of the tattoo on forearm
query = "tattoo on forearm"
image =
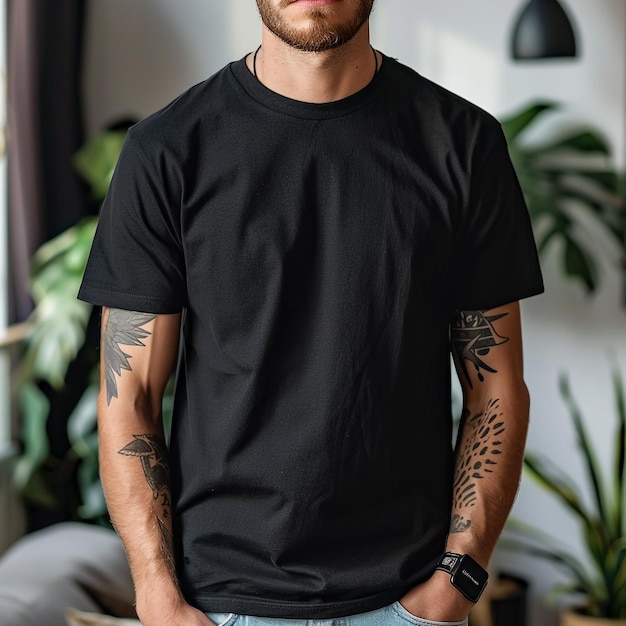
(480, 447)
(152, 452)
(123, 328)
(473, 336)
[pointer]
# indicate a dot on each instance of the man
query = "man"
(319, 224)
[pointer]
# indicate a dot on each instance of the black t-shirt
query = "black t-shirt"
(318, 253)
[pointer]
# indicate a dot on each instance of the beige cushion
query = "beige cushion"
(75, 617)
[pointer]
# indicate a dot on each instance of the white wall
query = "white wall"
(142, 53)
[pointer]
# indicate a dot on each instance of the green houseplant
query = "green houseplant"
(600, 579)
(570, 183)
(56, 339)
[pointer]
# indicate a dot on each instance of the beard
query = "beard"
(321, 34)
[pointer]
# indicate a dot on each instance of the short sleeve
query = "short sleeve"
(496, 258)
(136, 261)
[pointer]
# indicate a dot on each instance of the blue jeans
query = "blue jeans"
(393, 615)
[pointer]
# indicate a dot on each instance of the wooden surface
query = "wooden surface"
(13, 335)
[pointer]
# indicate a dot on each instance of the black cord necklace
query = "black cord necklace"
(376, 67)
(256, 52)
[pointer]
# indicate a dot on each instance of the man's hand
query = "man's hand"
(182, 615)
(437, 600)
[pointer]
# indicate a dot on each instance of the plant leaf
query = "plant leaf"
(620, 455)
(561, 559)
(83, 231)
(577, 167)
(34, 407)
(552, 479)
(578, 263)
(82, 420)
(584, 141)
(96, 160)
(602, 578)
(59, 320)
(586, 447)
(611, 217)
(514, 125)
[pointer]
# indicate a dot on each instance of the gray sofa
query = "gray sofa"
(67, 565)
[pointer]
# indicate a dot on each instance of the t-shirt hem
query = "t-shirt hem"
(127, 301)
(295, 610)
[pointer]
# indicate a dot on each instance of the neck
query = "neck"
(316, 77)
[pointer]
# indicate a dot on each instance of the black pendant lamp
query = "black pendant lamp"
(543, 31)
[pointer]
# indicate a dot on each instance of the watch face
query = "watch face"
(470, 578)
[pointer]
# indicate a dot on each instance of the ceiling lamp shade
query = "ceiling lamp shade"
(543, 31)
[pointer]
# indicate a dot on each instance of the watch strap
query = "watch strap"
(449, 562)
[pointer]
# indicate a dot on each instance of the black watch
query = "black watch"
(465, 574)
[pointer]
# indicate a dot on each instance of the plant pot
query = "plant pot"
(571, 617)
(503, 604)
(509, 601)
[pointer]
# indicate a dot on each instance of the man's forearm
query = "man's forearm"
(487, 468)
(138, 353)
(487, 351)
(135, 477)
(489, 456)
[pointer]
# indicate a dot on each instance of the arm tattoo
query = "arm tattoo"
(123, 328)
(473, 336)
(152, 452)
(478, 456)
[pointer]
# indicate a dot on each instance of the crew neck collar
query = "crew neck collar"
(307, 110)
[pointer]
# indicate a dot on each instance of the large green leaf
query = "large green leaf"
(55, 340)
(612, 218)
(34, 407)
(514, 125)
(82, 421)
(581, 142)
(76, 239)
(562, 169)
(607, 180)
(93, 505)
(59, 320)
(97, 159)
(577, 262)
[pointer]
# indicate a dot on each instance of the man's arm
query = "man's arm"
(139, 351)
(487, 350)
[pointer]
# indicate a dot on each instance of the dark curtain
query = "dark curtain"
(45, 120)
(46, 196)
